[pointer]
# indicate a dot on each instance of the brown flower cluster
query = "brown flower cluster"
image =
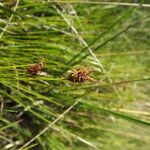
(81, 75)
(35, 69)
(78, 75)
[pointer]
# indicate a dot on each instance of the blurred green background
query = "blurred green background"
(113, 39)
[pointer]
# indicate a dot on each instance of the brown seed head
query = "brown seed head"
(80, 75)
(35, 68)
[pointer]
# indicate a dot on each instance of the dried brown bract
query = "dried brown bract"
(35, 69)
(81, 75)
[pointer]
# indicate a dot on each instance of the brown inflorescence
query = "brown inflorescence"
(80, 75)
(35, 68)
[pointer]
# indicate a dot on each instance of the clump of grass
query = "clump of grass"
(50, 112)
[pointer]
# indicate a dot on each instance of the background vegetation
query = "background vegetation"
(51, 113)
